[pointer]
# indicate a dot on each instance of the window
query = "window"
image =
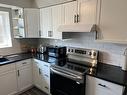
(5, 31)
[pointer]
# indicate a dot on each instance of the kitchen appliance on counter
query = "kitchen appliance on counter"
(41, 49)
(68, 78)
(56, 51)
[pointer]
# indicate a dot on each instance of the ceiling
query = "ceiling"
(44, 3)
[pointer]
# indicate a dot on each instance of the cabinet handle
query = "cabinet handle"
(78, 18)
(46, 87)
(75, 18)
(20, 36)
(39, 71)
(46, 75)
(46, 65)
(24, 63)
(102, 85)
(39, 33)
(50, 33)
(18, 73)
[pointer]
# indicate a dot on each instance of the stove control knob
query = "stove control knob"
(72, 50)
(94, 53)
(89, 53)
(69, 50)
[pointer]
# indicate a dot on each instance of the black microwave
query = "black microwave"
(56, 51)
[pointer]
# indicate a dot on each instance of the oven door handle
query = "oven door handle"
(65, 74)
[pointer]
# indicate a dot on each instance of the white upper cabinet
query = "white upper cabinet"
(70, 12)
(50, 19)
(57, 20)
(113, 20)
(68, 17)
(32, 18)
(46, 22)
(87, 11)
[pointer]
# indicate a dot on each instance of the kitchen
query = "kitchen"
(82, 24)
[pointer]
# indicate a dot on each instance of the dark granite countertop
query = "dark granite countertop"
(16, 57)
(106, 72)
(109, 73)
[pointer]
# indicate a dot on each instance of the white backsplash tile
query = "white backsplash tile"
(109, 53)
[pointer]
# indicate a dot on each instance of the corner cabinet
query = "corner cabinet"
(95, 86)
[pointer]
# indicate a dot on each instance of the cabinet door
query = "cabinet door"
(8, 83)
(70, 12)
(32, 22)
(37, 79)
(46, 22)
(24, 78)
(57, 20)
(87, 10)
(113, 20)
(95, 86)
(46, 77)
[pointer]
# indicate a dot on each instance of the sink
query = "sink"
(3, 59)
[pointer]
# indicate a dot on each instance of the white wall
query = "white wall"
(109, 53)
(20, 3)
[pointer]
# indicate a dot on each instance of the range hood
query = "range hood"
(77, 28)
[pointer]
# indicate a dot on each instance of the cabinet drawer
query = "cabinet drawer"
(95, 86)
(111, 87)
(6, 68)
(23, 63)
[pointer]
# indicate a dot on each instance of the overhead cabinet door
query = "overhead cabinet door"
(113, 20)
(32, 22)
(87, 11)
(70, 12)
(57, 20)
(46, 22)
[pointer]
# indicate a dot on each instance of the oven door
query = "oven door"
(61, 84)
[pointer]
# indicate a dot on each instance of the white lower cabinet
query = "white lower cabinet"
(95, 86)
(8, 80)
(41, 75)
(24, 74)
(37, 78)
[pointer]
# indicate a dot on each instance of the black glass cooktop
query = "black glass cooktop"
(62, 62)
